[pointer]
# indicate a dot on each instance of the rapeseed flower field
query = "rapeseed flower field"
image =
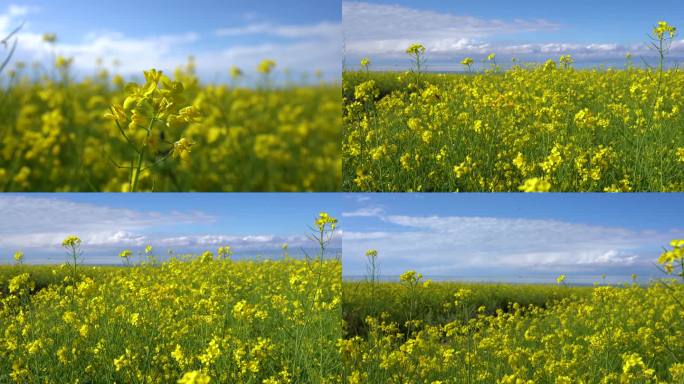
(533, 128)
(191, 319)
(512, 334)
(166, 133)
(230, 321)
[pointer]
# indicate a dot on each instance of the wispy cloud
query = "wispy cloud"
(305, 56)
(447, 245)
(384, 31)
(364, 212)
(39, 224)
(389, 29)
(306, 46)
(323, 30)
(44, 222)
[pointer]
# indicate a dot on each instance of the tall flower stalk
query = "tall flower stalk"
(144, 119)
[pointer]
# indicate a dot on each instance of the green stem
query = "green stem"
(141, 158)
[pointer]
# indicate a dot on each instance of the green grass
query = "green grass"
(432, 303)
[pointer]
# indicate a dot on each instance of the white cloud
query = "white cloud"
(455, 244)
(323, 30)
(38, 225)
(44, 222)
(351, 236)
(308, 48)
(387, 29)
(306, 56)
(364, 212)
(22, 214)
(383, 32)
(12, 18)
(609, 257)
(241, 243)
(133, 54)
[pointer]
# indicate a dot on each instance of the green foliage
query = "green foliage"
(433, 301)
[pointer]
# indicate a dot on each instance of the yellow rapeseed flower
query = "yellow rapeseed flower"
(194, 377)
(535, 184)
(71, 241)
(266, 66)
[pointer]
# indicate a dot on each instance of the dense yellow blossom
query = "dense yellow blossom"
(607, 334)
(576, 129)
(186, 320)
(223, 137)
(451, 332)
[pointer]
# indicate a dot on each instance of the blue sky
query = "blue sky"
(594, 32)
(509, 236)
(252, 224)
(501, 237)
(303, 36)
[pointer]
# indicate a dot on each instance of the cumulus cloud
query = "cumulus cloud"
(457, 244)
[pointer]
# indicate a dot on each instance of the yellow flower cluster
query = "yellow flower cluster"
(71, 241)
(533, 128)
(325, 220)
(604, 335)
(223, 138)
(664, 30)
(415, 49)
(673, 260)
(185, 320)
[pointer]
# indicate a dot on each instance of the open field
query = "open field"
(186, 319)
(166, 134)
(534, 127)
(545, 128)
(610, 335)
(417, 331)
